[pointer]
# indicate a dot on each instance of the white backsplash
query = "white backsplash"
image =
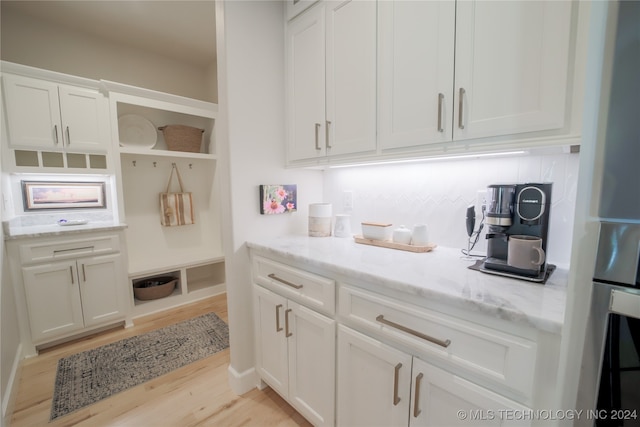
(438, 193)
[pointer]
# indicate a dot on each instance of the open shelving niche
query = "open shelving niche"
(191, 253)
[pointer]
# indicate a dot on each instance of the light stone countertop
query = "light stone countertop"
(440, 276)
(47, 226)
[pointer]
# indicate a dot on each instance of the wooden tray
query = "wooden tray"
(392, 245)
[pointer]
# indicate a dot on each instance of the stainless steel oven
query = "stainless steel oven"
(610, 380)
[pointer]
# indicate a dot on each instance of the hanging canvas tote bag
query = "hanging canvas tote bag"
(176, 208)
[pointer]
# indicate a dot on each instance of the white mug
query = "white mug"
(342, 227)
(420, 235)
(525, 252)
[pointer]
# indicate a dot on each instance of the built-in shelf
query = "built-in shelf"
(192, 252)
(196, 280)
(166, 153)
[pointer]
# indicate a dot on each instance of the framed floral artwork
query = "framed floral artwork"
(63, 195)
(277, 199)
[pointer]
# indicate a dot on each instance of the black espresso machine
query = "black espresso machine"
(516, 209)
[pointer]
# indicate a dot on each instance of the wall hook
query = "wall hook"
(173, 164)
(134, 163)
(190, 164)
(154, 164)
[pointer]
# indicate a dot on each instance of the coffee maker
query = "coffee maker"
(516, 209)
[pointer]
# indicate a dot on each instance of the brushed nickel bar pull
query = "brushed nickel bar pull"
(278, 327)
(55, 133)
(416, 402)
(59, 251)
(68, 137)
(326, 135)
(84, 274)
(460, 104)
(293, 285)
(384, 321)
(73, 282)
(396, 398)
(317, 136)
(286, 323)
(440, 99)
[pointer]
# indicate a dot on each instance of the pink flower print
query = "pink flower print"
(291, 206)
(272, 207)
(282, 194)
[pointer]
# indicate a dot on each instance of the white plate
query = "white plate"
(136, 131)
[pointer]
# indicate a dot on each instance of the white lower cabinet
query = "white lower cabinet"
(68, 296)
(374, 379)
(379, 385)
(295, 354)
(347, 355)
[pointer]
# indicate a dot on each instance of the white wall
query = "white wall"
(10, 349)
(251, 38)
(438, 193)
(30, 41)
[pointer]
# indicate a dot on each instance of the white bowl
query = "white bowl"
(376, 231)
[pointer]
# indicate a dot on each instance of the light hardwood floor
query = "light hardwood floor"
(195, 395)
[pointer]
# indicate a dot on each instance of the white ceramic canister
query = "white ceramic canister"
(420, 235)
(342, 227)
(320, 219)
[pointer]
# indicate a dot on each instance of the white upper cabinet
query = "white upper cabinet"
(351, 76)
(331, 80)
(306, 85)
(47, 115)
(510, 67)
(415, 66)
(451, 71)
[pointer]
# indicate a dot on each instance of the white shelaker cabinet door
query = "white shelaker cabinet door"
(100, 283)
(312, 345)
(444, 399)
(271, 343)
(53, 299)
(33, 112)
(368, 372)
(305, 84)
(85, 119)
(415, 63)
(511, 60)
(351, 76)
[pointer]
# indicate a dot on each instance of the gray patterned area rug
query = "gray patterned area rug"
(87, 377)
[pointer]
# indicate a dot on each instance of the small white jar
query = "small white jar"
(402, 235)
(320, 219)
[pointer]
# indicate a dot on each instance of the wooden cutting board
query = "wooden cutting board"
(392, 245)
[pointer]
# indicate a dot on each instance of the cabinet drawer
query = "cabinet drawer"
(306, 288)
(483, 352)
(66, 249)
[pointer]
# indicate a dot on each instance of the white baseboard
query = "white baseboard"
(243, 382)
(9, 395)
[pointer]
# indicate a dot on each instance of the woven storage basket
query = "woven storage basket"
(182, 138)
(154, 288)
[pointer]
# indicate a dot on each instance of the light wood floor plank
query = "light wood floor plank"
(195, 395)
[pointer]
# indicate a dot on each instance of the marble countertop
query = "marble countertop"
(441, 275)
(19, 228)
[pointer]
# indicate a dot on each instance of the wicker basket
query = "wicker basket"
(182, 138)
(154, 288)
